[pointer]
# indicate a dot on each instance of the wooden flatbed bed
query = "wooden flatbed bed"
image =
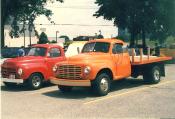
(146, 59)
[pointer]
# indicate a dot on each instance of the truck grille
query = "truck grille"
(69, 72)
(5, 72)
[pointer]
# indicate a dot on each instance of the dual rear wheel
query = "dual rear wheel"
(153, 75)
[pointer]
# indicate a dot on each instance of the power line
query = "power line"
(74, 7)
(73, 24)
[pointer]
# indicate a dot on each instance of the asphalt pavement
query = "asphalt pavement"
(130, 98)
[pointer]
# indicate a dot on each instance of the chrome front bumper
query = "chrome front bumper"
(68, 82)
(12, 80)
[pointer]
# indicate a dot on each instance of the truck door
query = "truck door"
(121, 61)
(53, 56)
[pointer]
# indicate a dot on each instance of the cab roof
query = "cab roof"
(109, 40)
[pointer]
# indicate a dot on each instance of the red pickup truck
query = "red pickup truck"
(34, 68)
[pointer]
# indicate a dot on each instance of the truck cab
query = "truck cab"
(99, 58)
(102, 61)
(33, 69)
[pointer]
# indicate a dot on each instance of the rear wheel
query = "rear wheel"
(65, 88)
(101, 85)
(153, 75)
(35, 81)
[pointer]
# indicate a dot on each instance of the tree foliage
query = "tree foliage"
(43, 39)
(65, 37)
(16, 12)
(141, 17)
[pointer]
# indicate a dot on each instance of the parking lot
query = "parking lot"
(130, 98)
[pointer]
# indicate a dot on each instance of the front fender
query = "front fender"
(32, 68)
(98, 66)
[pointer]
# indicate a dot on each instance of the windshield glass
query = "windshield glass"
(37, 51)
(96, 47)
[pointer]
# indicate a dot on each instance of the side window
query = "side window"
(117, 48)
(54, 52)
(125, 48)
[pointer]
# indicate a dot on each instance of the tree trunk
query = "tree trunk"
(132, 39)
(2, 25)
(2, 35)
(143, 38)
(24, 38)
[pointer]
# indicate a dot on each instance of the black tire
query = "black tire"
(101, 85)
(153, 75)
(65, 88)
(8, 84)
(35, 81)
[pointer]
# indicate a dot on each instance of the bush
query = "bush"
(53, 41)
(43, 39)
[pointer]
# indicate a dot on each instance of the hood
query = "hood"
(89, 57)
(22, 60)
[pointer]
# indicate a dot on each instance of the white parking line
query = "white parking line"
(127, 93)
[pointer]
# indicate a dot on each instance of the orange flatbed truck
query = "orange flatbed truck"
(103, 61)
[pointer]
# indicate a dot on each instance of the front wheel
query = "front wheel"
(35, 81)
(101, 85)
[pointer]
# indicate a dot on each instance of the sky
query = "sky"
(80, 14)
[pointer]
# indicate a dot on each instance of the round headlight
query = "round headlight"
(87, 70)
(20, 71)
(54, 68)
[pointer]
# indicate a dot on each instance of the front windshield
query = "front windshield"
(37, 51)
(96, 47)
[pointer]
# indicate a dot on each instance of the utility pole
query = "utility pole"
(56, 35)
(24, 30)
(24, 38)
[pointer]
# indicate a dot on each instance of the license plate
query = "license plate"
(12, 76)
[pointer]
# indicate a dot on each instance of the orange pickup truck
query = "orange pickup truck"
(104, 60)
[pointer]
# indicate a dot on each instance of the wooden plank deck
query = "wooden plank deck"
(146, 59)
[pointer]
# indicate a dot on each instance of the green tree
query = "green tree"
(53, 41)
(142, 18)
(65, 37)
(16, 12)
(43, 39)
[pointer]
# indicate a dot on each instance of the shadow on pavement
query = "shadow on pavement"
(14, 88)
(19, 88)
(76, 93)
(82, 92)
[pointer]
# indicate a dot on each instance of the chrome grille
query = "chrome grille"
(69, 72)
(5, 72)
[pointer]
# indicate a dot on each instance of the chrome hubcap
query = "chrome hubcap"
(156, 75)
(104, 84)
(36, 81)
